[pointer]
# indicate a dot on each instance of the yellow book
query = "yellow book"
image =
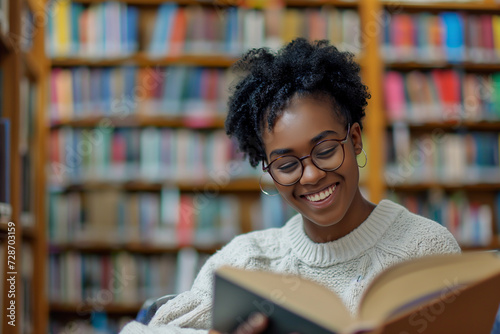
(495, 21)
(291, 25)
(62, 27)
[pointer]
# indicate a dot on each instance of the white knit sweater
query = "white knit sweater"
(390, 234)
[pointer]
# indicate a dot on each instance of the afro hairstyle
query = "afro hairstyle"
(271, 79)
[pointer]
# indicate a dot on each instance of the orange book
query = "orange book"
(403, 36)
(178, 36)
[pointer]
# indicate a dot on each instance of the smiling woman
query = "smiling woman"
(299, 112)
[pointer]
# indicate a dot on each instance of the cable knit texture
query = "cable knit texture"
(391, 234)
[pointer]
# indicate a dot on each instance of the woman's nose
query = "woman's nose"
(311, 174)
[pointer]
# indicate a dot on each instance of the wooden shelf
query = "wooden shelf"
(429, 126)
(3, 225)
(247, 184)
(444, 5)
(29, 232)
(140, 248)
(78, 308)
(143, 60)
(32, 68)
(6, 45)
(408, 66)
(495, 244)
(223, 3)
(142, 121)
(447, 187)
(35, 5)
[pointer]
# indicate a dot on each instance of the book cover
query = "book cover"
(461, 286)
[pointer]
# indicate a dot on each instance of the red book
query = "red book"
(487, 38)
(178, 35)
(185, 226)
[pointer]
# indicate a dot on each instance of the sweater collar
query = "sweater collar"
(346, 248)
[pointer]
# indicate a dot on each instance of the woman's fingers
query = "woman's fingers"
(255, 324)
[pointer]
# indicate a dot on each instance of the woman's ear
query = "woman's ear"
(357, 140)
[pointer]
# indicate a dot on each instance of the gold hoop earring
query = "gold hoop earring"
(366, 159)
(265, 192)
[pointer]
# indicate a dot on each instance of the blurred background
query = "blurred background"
(117, 180)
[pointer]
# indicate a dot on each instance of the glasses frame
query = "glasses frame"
(266, 169)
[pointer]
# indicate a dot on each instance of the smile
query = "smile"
(321, 195)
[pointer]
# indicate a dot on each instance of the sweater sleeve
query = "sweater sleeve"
(439, 242)
(190, 312)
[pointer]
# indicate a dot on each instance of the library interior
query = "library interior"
(118, 180)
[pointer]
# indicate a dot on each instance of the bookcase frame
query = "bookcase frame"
(38, 69)
(33, 65)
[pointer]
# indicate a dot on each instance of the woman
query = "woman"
(299, 113)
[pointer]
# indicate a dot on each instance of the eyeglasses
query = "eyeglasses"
(327, 155)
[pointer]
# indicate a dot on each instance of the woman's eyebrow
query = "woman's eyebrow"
(283, 151)
(322, 135)
(280, 151)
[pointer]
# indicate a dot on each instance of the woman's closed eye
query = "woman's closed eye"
(287, 167)
(327, 152)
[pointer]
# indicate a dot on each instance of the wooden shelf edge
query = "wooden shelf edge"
(448, 187)
(83, 309)
(225, 3)
(137, 247)
(34, 5)
(443, 5)
(480, 125)
(243, 184)
(33, 68)
(411, 65)
(495, 244)
(145, 120)
(142, 59)
(6, 43)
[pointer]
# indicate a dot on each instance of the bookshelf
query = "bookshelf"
(244, 189)
(456, 186)
(22, 193)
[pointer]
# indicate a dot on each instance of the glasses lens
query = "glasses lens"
(286, 170)
(328, 155)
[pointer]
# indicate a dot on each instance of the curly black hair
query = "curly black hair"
(272, 79)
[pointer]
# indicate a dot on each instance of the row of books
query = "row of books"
(442, 96)
(112, 29)
(28, 28)
(149, 154)
(105, 29)
(446, 158)
(167, 218)
(27, 142)
(448, 36)
(205, 30)
(95, 281)
(4, 17)
(469, 220)
(119, 91)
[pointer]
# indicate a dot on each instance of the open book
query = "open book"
(456, 293)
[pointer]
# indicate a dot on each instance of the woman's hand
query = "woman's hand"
(255, 324)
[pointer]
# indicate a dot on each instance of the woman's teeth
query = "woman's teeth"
(321, 195)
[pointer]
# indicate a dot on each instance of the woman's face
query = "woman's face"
(303, 123)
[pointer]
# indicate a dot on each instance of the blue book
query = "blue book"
(132, 28)
(76, 12)
(163, 29)
(453, 36)
(77, 91)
